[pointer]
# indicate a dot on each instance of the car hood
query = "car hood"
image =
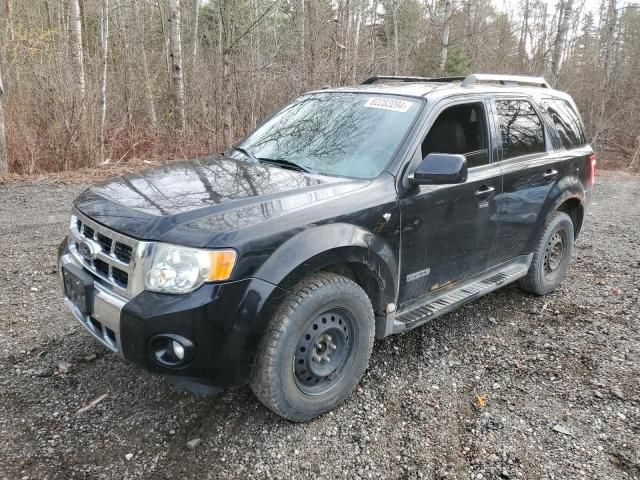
(191, 202)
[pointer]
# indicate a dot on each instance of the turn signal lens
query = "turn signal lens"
(222, 262)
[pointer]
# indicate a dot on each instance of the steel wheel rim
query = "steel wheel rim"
(554, 253)
(324, 351)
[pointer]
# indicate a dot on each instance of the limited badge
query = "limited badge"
(419, 274)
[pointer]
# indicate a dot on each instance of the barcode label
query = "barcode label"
(392, 104)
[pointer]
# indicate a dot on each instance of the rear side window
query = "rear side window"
(566, 122)
(520, 127)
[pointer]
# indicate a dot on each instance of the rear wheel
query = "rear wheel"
(551, 257)
(316, 348)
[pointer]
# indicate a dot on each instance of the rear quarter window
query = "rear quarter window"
(520, 127)
(566, 122)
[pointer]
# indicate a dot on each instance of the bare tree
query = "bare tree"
(444, 38)
(245, 58)
(76, 50)
(196, 23)
(564, 19)
(148, 92)
(104, 43)
(227, 89)
(177, 87)
(4, 161)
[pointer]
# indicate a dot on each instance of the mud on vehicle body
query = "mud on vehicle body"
(352, 213)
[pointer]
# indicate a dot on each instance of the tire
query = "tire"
(550, 262)
(298, 374)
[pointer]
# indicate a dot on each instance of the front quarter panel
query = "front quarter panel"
(326, 245)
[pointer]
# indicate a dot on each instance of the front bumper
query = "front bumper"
(224, 321)
(104, 321)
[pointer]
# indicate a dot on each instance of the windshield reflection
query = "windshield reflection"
(346, 134)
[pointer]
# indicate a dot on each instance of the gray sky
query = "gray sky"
(592, 6)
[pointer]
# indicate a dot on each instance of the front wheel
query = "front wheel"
(551, 257)
(316, 348)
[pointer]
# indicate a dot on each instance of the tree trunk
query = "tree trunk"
(522, 44)
(79, 91)
(104, 41)
(196, 22)
(563, 26)
(227, 100)
(444, 38)
(166, 44)
(303, 56)
(77, 54)
(177, 80)
(396, 49)
(373, 60)
(356, 40)
(151, 108)
(607, 47)
(4, 161)
(123, 29)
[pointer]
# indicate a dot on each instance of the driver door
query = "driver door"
(449, 231)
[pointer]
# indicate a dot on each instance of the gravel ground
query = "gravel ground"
(510, 386)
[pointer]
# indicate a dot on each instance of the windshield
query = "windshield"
(345, 134)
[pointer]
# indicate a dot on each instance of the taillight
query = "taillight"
(592, 169)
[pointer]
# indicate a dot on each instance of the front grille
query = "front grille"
(122, 252)
(101, 266)
(88, 232)
(105, 242)
(120, 277)
(115, 261)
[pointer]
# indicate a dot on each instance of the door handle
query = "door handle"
(550, 173)
(484, 191)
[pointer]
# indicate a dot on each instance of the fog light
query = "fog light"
(178, 350)
(171, 350)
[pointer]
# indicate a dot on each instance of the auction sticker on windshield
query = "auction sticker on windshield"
(392, 104)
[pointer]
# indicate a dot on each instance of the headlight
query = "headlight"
(175, 269)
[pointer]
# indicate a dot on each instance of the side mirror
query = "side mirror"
(440, 169)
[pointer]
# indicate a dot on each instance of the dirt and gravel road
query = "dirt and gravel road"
(559, 378)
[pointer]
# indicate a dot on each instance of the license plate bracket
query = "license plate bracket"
(78, 288)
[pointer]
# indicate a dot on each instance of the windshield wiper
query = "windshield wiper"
(247, 153)
(287, 163)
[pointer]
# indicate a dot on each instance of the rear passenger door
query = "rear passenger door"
(530, 168)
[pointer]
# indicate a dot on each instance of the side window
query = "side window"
(520, 127)
(566, 122)
(460, 129)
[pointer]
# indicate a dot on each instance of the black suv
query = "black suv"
(352, 213)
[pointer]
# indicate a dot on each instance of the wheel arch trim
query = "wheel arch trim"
(322, 247)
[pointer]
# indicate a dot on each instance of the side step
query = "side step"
(442, 302)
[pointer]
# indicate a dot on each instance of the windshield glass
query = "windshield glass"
(345, 134)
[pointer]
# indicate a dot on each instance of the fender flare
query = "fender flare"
(319, 247)
(566, 189)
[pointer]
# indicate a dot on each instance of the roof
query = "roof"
(477, 83)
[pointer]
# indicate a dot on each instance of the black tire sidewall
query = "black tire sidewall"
(560, 221)
(323, 299)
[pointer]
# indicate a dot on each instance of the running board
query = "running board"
(449, 299)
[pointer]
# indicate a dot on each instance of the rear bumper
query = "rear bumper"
(225, 323)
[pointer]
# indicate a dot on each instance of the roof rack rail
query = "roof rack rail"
(378, 78)
(505, 80)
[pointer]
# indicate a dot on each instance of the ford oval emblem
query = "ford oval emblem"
(89, 251)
